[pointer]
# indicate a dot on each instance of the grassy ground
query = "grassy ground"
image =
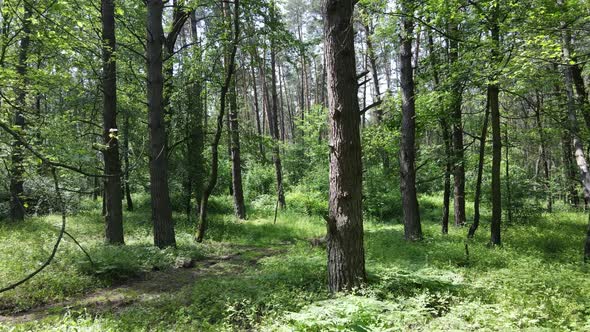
(535, 281)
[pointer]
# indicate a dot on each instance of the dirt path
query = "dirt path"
(151, 286)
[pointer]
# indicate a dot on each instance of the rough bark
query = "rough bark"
(229, 72)
(236, 163)
(411, 213)
(346, 258)
(17, 208)
(112, 164)
(160, 198)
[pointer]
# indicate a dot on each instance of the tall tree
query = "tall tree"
(17, 204)
(229, 72)
(112, 164)
(456, 96)
(494, 103)
(411, 213)
(273, 122)
(160, 196)
(236, 160)
(346, 257)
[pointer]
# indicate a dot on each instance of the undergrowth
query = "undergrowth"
(535, 281)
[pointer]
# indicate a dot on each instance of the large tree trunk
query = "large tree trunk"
(229, 72)
(17, 208)
(346, 257)
(160, 197)
(236, 163)
(480, 164)
(411, 213)
(112, 164)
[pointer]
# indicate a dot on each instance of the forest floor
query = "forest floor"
(255, 275)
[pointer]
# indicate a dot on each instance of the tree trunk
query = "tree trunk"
(273, 119)
(126, 160)
(112, 164)
(493, 92)
(507, 180)
(346, 257)
(446, 136)
(256, 107)
(544, 154)
(457, 123)
(160, 198)
(480, 164)
(17, 208)
(236, 164)
(411, 213)
(573, 122)
(212, 181)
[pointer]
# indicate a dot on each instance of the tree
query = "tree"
(273, 112)
(229, 72)
(17, 204)
(412, 227)
(160, 197)
(346, 258)
(112, 164)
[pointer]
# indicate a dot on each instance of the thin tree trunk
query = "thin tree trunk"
(236, 163)
(128, 198)
(411, 212)
(457, 123)
(507, 165)
(256, 107)
(480, 164)
(346, 258)
(112, 164)
(160, 198)
(446, 136)
(273, 119)
(544, 155)
(203, 223)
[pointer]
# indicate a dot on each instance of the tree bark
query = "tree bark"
(236, 164)
(457, 123)
(17, 207)
(256, 106)
(346, 258)
(544, 153)
(273, 119)
(112, 164)
(160, 197)
(411, 213)
(126, 177)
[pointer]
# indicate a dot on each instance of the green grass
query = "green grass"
(535, 281)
